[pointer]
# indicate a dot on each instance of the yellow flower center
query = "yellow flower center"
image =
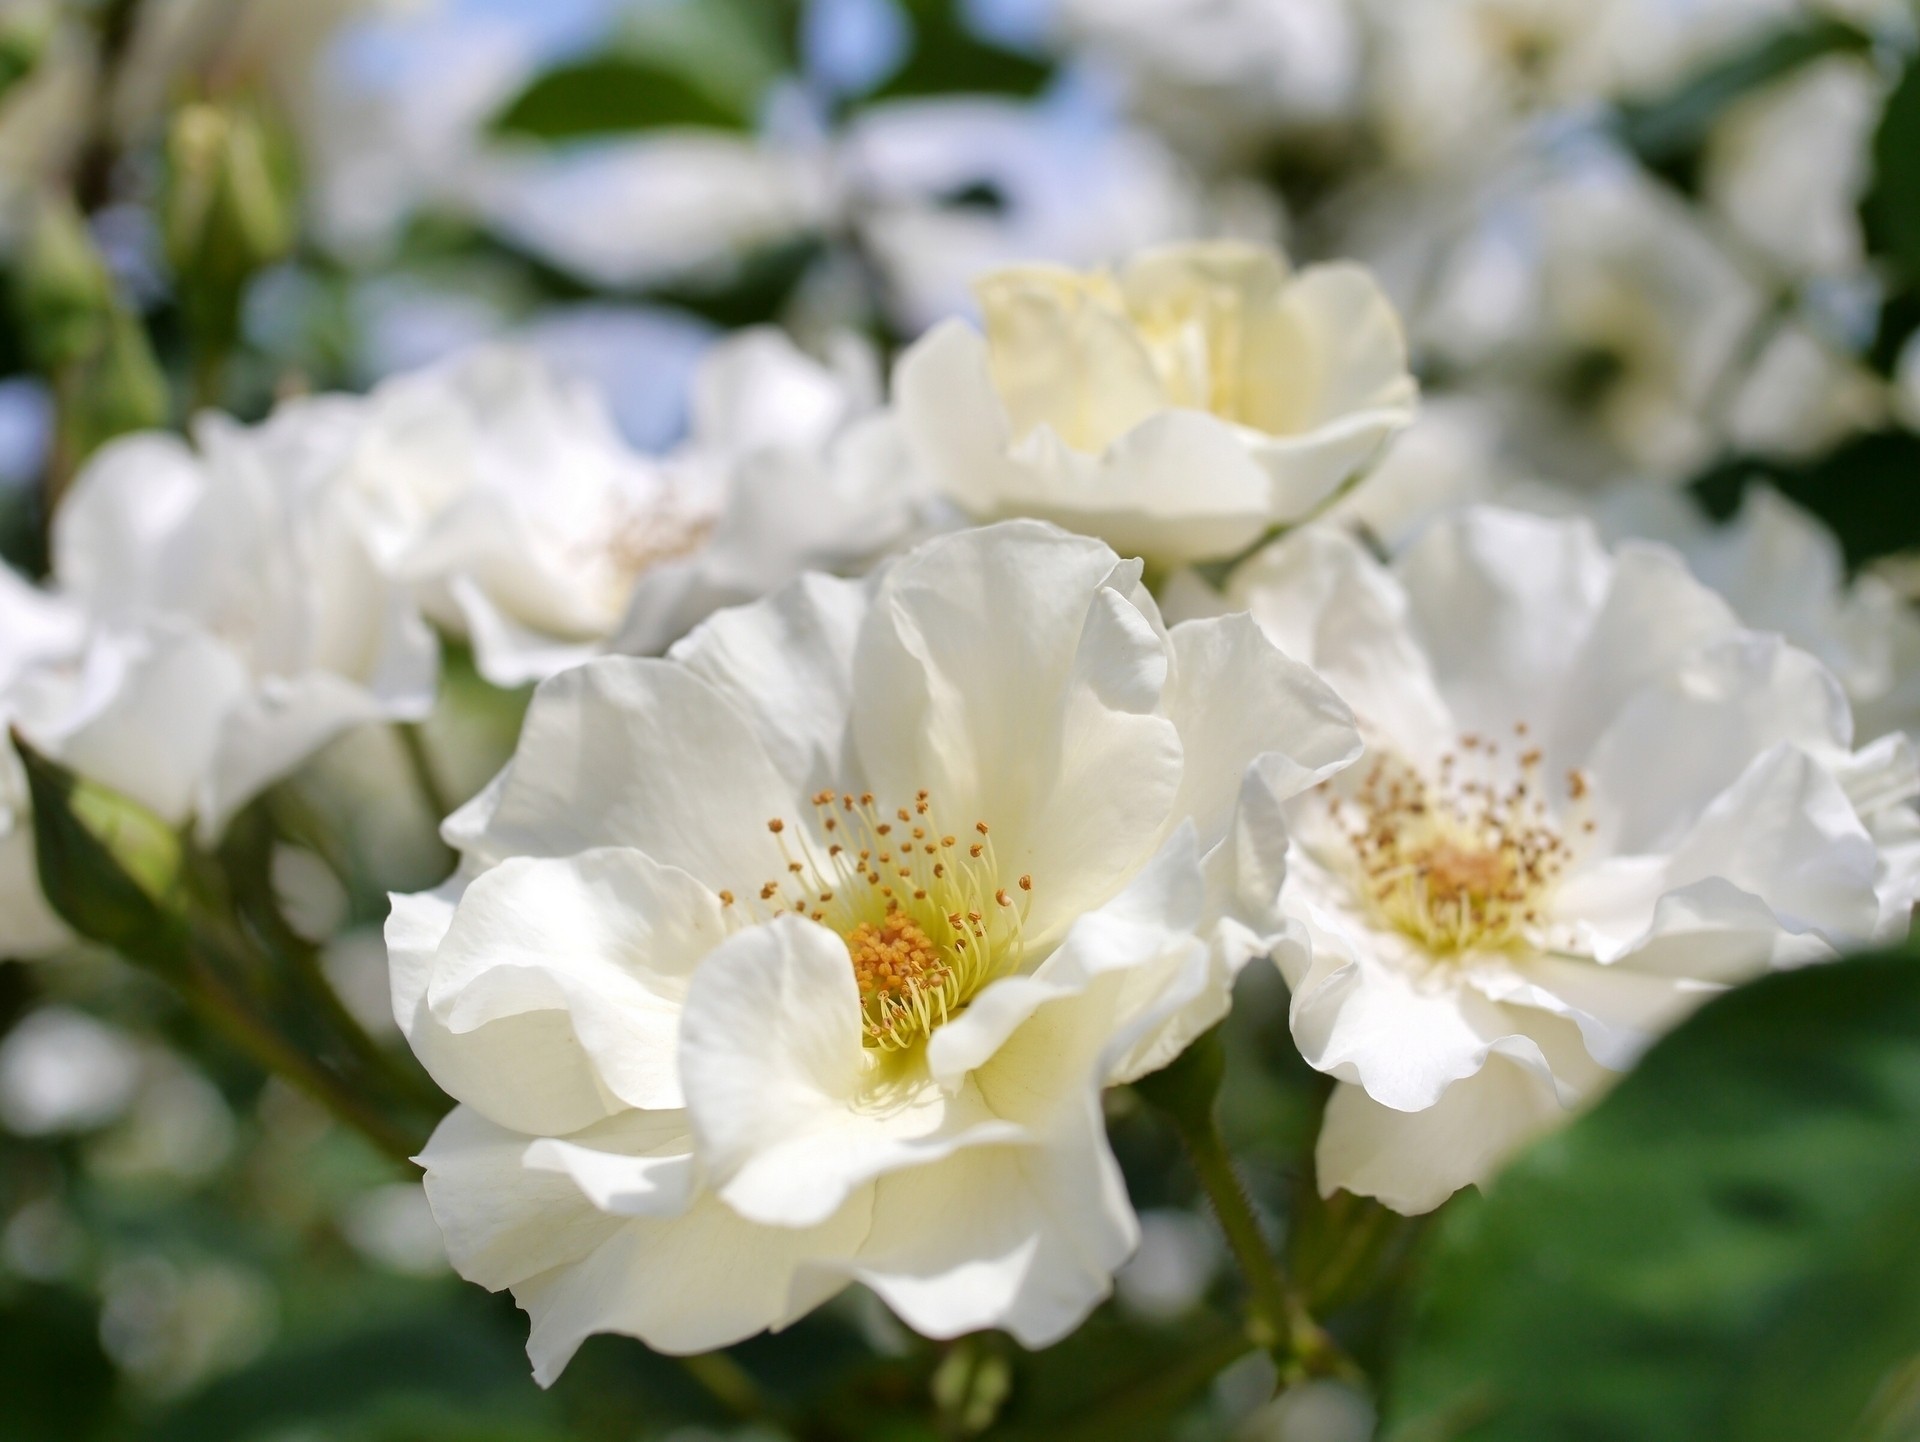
(1459, 862)
(927, 920)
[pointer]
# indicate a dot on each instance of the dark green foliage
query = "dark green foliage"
(1728, 1247)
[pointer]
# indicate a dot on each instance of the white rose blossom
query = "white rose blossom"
(1590, 799)
(802, 956)
(504, 494)
(1179, 408)
(235, 618)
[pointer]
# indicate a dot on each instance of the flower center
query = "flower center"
(927, 920)
(1459, 863)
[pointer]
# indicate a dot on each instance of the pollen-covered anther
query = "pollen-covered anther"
(926, 929)
(1460, 863)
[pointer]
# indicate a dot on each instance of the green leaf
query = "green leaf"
(612, 95)
(1668, 131)
(947, 59)
(111, 869)
(702, 63)
(1728, 1247)
(1891, 206)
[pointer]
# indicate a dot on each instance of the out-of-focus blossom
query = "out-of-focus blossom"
(397, 119)
(503, 494)
(1591, 799)
(1598, 305)
(945, 190)
(35, 628)
(624, 214)
(63, 1071)
(1782, 570)
(1786, 167)
(238, 616)
(1218, 75)
(1178, 408)
(802, 956)
(1451, 76)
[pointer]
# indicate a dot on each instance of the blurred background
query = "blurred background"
(1659, 261)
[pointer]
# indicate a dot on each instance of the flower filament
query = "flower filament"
(927, 920)
(1459, 864)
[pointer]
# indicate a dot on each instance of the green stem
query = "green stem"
(729, 1384)
(1269, 1306)
(431, 791)
(1278, 1318)
(220, 1008)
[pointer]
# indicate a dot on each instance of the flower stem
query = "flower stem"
(1268, 1306)
(413, 739)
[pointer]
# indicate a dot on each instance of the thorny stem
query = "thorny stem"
(1278, 1320)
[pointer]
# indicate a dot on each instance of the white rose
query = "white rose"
(1590, 800)
(1179, 409)
(237, 618)
(802, 956)
(504, 494)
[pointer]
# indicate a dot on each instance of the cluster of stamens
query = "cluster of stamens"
(926, 919)
(1461, 861)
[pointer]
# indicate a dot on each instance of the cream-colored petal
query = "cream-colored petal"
(603, 761)
(789, 1117)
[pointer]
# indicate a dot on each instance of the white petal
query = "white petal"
(1281, 709)
(603, 760)
(698, 1282)
(1654, 615)
(504, 1222)
(527, 1071)
(786, 665)
(1500, 602)
(609, 937)
(1010, 671)
(776, 1079)
(1686, 737)
(1414, 1161)
(1324, 601)
(1025, 1239)
(1369, 1008)
(1098, 1010)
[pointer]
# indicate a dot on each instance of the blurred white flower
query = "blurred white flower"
(1451, 75)
(239, 617)
(1596, 308)
(945, 190)
(1218, 75)
(1787, 166)
(1178, 409)
(35, 628)
(1782, 570)
(802, 956)
(628, 213)
(63, 1071)
(1591, 799)
(1168, 1274)
(503, 493)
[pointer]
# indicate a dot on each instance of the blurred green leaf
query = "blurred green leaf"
(610, 96)
(1891, 206)
(1668, 131)
(948, 58)
(1728, 1247)
(56, 1385)
(1867, 490)
(114, 871)
(706, 63)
